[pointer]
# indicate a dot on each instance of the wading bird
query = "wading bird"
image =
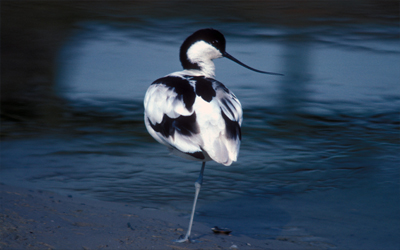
(193, 114)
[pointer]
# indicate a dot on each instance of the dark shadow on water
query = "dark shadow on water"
(33, 33)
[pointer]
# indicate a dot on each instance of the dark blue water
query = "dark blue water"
(325, 137)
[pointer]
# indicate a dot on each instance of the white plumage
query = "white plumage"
(212, 139)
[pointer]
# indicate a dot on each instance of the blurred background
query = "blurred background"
(323, 138)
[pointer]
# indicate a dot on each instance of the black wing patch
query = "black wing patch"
(204, 88)
(182, 88)
(228, 104)
(185, 125)
(233, 130)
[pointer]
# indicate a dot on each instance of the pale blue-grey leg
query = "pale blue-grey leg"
(197, 185)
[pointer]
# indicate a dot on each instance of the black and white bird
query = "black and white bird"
(193, 114)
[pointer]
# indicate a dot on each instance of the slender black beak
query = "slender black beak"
(225, 54)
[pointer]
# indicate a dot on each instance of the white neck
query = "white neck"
(207, 68)
(202, 54)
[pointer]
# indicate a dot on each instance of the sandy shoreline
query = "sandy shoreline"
(38, 219)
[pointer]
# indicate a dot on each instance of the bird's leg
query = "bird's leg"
(197, 185)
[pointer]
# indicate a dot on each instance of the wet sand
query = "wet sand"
(38, 219)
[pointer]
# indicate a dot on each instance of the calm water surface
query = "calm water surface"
(329, 126)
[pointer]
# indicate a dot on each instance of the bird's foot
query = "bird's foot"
(186, 239)
(183, 239)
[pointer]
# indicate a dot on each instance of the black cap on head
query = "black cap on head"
(211, 36)
(216, 39)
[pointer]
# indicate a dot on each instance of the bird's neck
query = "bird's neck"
(192, 72)
(207, 68)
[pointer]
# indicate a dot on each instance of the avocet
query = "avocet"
(193, 114)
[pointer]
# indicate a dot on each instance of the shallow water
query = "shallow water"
(72, 113)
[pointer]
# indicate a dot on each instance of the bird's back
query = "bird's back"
(196, 117)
